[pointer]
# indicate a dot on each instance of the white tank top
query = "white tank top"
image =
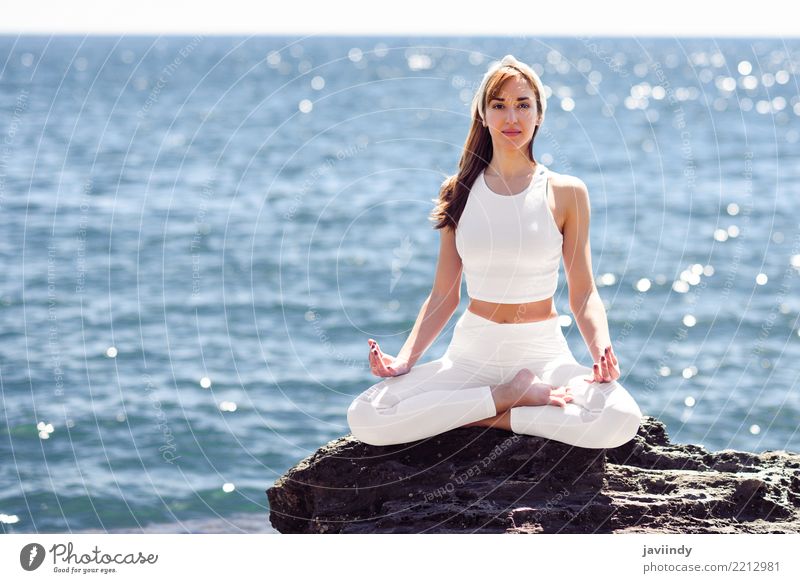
(510, 245)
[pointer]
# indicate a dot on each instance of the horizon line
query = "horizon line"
(378, 35)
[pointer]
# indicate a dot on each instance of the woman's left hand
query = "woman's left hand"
(607, 369)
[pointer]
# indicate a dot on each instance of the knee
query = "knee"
(365, 423)
(619, 422)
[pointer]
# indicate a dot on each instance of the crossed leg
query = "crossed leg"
(432, 398)
(441, 395)
(601, 415)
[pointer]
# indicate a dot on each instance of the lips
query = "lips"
(510, 133)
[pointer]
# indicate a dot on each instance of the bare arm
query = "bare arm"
(439, 306)
(584, 299)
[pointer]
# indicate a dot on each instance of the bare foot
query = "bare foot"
(527, 389)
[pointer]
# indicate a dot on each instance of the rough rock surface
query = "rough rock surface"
(493, 481)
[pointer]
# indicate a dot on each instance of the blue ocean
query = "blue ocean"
(199, 234)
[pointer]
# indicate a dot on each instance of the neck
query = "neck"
(510, 164)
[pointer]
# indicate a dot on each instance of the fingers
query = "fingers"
(615, 373)
(598, 373)
(376, 362)
(612, 362)
(604, 369)
(378, 365)
(596, 376)
(610, 354)
(373, 366)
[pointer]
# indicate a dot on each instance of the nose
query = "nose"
(511, 113)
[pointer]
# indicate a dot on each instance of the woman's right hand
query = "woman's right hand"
(383, 365)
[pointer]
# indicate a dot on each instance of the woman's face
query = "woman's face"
(511, 115)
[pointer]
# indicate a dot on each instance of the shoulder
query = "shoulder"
(569, 191)
(567, 182)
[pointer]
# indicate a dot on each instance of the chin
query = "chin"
(510, 146)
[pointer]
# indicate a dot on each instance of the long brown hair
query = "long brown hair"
(478, 149)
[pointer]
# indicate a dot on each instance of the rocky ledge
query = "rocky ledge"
(493, 481)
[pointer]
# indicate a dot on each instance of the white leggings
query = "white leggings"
(454, 390)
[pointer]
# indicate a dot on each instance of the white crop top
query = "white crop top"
(510, 245)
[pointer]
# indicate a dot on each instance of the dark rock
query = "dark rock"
(491, 481)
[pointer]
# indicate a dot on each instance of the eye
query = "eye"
(497, 106)
(525, 105)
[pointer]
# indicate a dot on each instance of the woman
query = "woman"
(505, 220)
